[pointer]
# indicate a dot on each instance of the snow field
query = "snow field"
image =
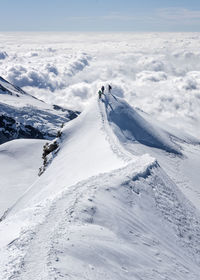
(20, 160)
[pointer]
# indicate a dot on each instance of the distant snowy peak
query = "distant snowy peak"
(8, 88)
(24, 116)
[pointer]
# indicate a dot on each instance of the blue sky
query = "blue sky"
(100, 15)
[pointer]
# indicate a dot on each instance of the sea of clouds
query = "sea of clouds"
(156, 72)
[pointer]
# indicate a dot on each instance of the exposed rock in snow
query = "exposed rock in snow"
(24, 116)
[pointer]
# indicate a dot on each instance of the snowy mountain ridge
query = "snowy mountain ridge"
(24, 116)
(8, 88)
(116, 202)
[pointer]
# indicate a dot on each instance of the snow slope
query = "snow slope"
(20, 161)
(131, 126)
(104, 208)
(86, 150)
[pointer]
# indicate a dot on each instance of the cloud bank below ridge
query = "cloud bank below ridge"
(159, 73)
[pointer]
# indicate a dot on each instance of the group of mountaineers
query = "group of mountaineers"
(101, 91)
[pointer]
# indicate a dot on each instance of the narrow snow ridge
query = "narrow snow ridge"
(99, 212)
(32, 238)
(87, 149)
(97, 227)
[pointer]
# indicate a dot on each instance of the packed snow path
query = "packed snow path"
(99, 212)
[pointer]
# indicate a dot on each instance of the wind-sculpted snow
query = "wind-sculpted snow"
(104, 208)
(84, 145)
(129, 125)
(116, 225)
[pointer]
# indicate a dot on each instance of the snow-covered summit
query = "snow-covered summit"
(110, 205)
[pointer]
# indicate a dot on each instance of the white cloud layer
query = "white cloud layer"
(159, 73)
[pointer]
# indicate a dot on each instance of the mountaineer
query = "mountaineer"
(100, 94)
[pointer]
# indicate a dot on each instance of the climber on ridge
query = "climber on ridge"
(109, 88)
(102, 89)
(100, 94)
